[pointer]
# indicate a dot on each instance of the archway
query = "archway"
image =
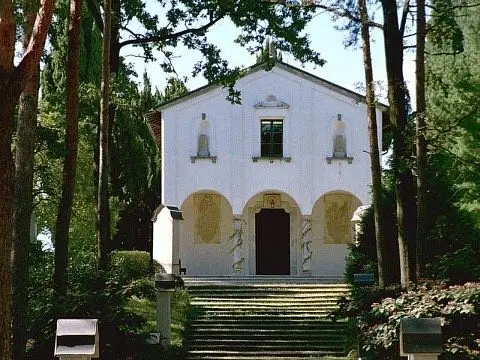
(332, 231)
(272, 234)
(205, 244)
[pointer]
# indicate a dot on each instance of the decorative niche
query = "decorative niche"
(203, 139)
(339, 142)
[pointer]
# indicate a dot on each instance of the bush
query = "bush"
(129, 265)
(458, 267)
(457, 306)
(90, 295)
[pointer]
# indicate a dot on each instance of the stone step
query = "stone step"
(192, 281)
(264, 318)
(277, 300)
(211, 311)
(262, 341)
(271, 354)
(273, 320)
(270, 288)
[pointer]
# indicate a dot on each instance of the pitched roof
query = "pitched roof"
(281, 65)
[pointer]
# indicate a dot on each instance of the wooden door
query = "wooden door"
(272, 242)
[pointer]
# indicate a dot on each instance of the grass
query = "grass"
(146, 308)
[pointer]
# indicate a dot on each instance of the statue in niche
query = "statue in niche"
(203, 146)
(339, 146)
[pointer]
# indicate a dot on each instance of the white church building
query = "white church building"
(267, 187)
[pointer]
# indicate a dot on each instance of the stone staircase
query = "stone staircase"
(264, 317)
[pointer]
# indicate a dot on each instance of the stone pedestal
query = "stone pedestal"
(164, 317)
(422, 357)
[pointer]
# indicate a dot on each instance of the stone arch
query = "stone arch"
(332, 230)
(271, 199)
(205, 233)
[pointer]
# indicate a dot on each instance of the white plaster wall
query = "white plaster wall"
(235, 138)
(163, 240)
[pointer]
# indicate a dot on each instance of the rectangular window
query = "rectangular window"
(271, 138)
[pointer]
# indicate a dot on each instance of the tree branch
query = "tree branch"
(403, 22)
(159, 38)
(443, 53)
(34, 50)
(346, 14)
(468, 162)
(454, 7)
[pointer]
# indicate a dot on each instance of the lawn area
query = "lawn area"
(147, 309)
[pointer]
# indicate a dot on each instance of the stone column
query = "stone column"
(237, 249)
(306, 241)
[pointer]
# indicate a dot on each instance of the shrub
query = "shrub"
(129, 265)
(90, 295)
(458, 267)
(457, 306)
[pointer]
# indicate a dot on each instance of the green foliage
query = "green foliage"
(457, 306)
(283, 23)
(90, 295)
(459, 266)
(443, 29)
(268, 53)
(453, 253)
(453, 85)
(362, 256)
(127, 266)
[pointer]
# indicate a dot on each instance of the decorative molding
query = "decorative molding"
(336, 158)
(287, 159)
(193, 159)
(271, 102)
(237, 240)
(306, 242)
(272, 201)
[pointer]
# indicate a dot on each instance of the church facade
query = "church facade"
(268, 186)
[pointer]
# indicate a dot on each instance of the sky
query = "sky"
(344, 66)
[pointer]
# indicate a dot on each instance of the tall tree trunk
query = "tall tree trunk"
(103, 211)
(382, 269)
(12, 82)
(23, 205)
(64, 214)
(397, 96)
(7, 104)
(421, 138)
